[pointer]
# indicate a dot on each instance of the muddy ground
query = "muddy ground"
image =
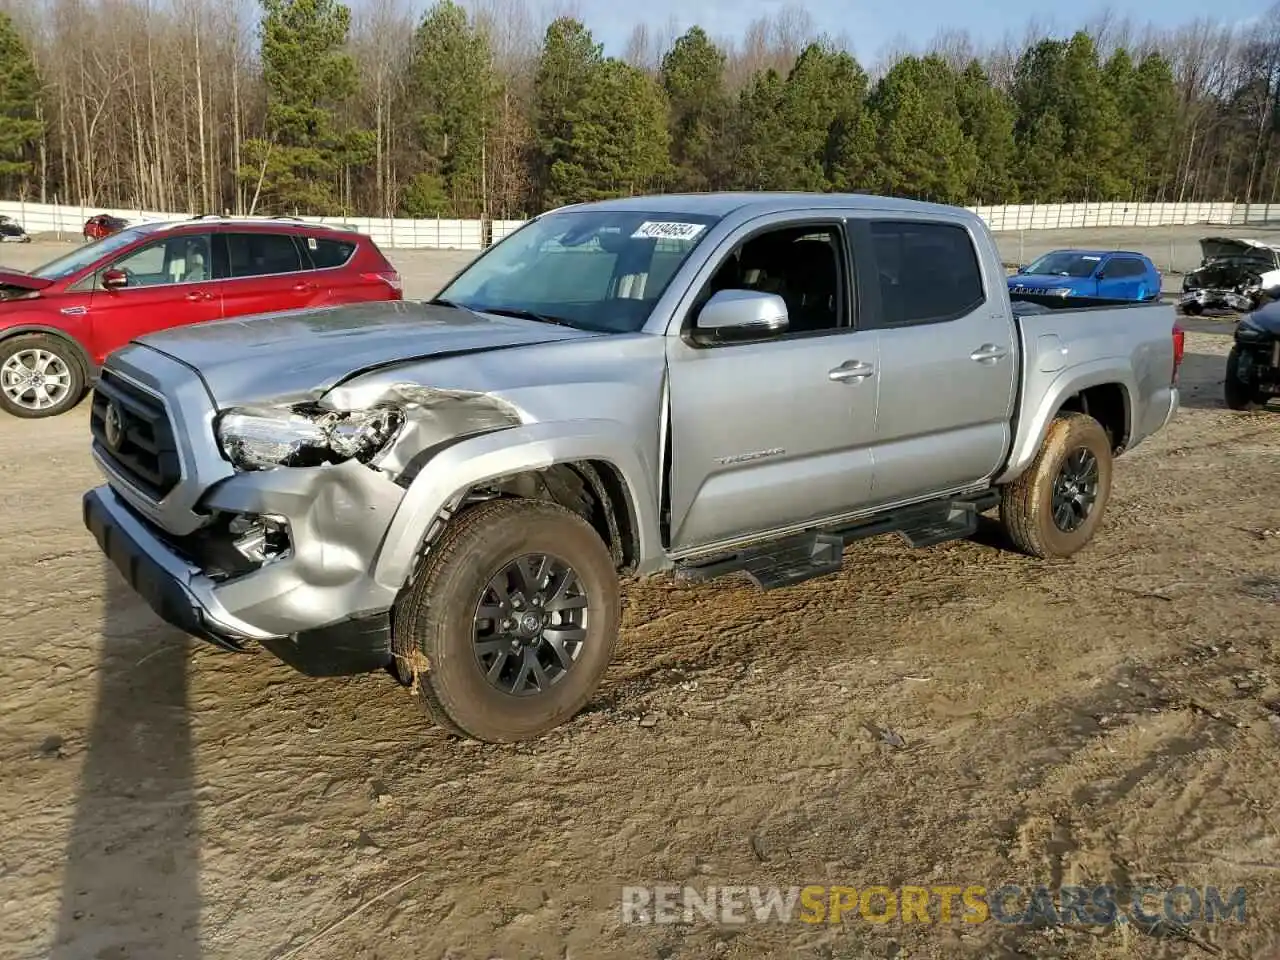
(960, 715)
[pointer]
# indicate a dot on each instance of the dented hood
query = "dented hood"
(17, 280)
(302, 354)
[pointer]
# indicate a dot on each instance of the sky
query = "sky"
(870, 29)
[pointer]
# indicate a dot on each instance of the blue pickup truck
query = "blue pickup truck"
(1101, 276)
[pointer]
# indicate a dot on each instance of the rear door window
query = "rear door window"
(262, 254)
(1126, 267)
(925, 272)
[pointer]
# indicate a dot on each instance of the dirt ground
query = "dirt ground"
(960, 715)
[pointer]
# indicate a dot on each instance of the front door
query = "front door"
(948, 357)
(774, 433)
(168, 283)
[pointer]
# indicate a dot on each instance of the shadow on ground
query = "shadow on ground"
(1200, 381)
(131, 887)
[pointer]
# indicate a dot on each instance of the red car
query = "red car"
(103, 225)
(58, 322)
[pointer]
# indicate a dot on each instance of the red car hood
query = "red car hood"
(16, 279)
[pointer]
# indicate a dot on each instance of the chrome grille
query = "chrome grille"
(144, 451)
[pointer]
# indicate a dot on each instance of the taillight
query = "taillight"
(389, 277)
(1179, 348)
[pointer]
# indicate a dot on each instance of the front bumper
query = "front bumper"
(271, 607)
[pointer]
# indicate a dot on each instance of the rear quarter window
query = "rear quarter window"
(326, 253)
(926, 272)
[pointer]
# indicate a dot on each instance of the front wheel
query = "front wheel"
(512, 621)
(1054, 507)
(1236, 392)
(40, 376)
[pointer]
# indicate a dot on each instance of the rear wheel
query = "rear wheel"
(40, 376)
(1054, 507)
(512, 622)
(1237, 393)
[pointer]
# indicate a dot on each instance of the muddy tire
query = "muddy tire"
(1237, 394)
(1053, 509)
(512, 621)
(1192, 309)
(40, 376)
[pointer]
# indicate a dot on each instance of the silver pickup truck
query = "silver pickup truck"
(710, 384)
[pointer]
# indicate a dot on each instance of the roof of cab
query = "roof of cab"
(723, 204)
(1084, 252)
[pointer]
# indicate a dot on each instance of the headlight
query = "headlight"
(304, 436)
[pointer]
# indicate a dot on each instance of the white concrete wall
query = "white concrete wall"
(468, 234)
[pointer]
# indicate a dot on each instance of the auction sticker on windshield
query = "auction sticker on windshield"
(665, 230)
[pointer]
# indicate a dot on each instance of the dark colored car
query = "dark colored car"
(1253, 364)
(11, 231)
(1234, 274)
(103, 225)
(1104, 276)
(58, 322)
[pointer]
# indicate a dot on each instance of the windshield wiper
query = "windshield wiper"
(526, 315)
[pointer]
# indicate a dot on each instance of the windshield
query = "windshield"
(84, 256)
(1066, 264)
(600, 270)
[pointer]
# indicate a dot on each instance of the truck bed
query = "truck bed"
(1072, 349)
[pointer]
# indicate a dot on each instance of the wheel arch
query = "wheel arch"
(81, 355)
(585, 466)
(1099, 390)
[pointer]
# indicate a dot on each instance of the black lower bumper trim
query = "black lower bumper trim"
(358, 645)
(166, 596)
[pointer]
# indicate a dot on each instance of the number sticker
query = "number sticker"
(663, 230)
(311, 243)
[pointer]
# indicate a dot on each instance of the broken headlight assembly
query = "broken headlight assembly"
(260, 438)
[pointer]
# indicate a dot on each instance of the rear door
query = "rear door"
(1123, 278)
(168, 284)
(948, 360)
(265, 273)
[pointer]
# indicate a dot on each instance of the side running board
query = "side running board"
(782, 563)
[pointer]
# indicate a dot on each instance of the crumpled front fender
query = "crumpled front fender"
(462, 466)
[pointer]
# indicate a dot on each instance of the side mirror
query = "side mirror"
(741, 315)
(1022, 268)
(114, 279)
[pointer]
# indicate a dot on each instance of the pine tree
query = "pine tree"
(20, 127)
(987, 118)
(452, 88)
(565, 73)
(693, 79)
(922, 150)
(307, 75)
(618, 142)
